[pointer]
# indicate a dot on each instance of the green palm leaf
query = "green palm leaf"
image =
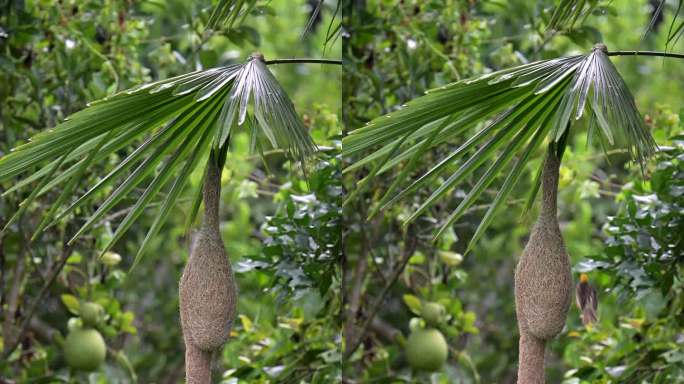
(520, 108)
(229, 13)
(176, 123)
(568, 12)
(676, 28)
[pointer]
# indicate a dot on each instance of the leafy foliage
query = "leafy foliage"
(395, 52)
(643, 257)
(300, 257)
(57, 56)
(644, 246)
(303, 239)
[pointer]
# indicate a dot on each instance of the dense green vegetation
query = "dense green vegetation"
(337, 281)
(57, 56)
(398, 50)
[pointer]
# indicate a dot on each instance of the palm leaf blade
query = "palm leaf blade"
(530, 126)
(181, 138)
(508, 184)
(556, 92)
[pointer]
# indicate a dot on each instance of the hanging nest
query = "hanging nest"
(208, 294)
(543, 281)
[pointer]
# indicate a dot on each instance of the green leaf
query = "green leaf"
(413, 303)
(175, 191)
(424, 145)
(511, 180)
(199, 124)
(71, 302)
(507, 125)
(568, 12)
(66, 191)
(194, 208)
(27, 202)
(530, 126)
(229, 13)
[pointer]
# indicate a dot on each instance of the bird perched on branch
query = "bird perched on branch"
(586, 300)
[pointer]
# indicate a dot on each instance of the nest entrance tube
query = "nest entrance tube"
(207, 290)
(543, 282)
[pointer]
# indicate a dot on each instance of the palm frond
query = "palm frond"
(229, 13)
(272, 109)
(176, 123)
(611, 105)
(676, 30)
(657, 12)
(568, 12)
(314, 15)
(513, 111)
(334, 27)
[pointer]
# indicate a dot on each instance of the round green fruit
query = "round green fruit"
(91, 313)
(84, 349)
(433, 313)
(110, 259)
(426, 350)
(451, 259)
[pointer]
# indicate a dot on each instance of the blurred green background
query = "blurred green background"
(283, 233)
(620, 226)
(281, 230)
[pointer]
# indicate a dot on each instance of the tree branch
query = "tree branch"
(386, 331)
(42, 330)
(13, 295)
(410, 241)
(303, 61)
(359, 278)
(54, 272)
(646, 53)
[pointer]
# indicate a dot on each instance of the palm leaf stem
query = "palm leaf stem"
(646, 53)
(303, 61)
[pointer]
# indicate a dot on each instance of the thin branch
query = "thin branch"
(3, 265)
(13, 295)
(43, 331)
(410, 247)
(646, 53)
(358, 281)
(56, 269)
(386, 331)
(304, 61)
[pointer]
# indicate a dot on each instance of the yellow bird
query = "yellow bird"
(586, 300)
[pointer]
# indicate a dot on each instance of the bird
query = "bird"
(586, 300)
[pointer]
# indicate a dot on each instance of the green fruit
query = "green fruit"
(84, 349)
(433, 313)
(451, 259)
(91, 313)
(110, 259)
(426, 350)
